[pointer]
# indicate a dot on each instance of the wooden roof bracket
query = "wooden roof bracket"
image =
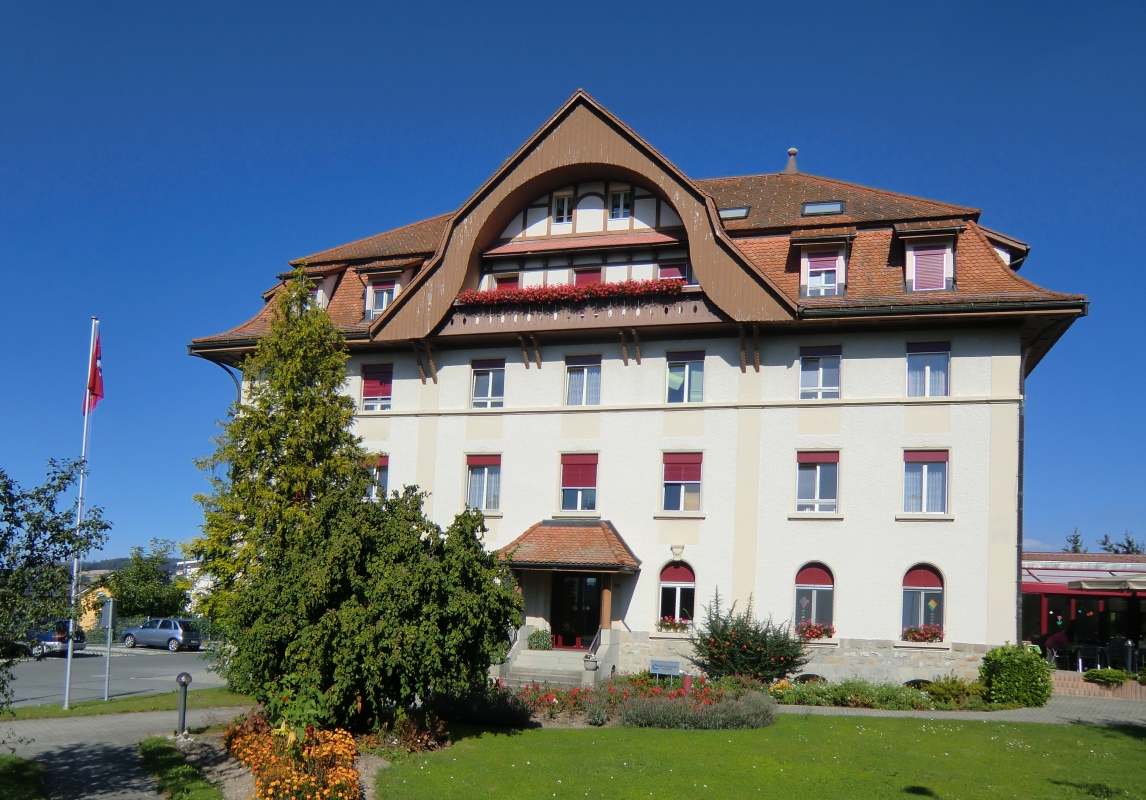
(418, 361)
(624, 347)
(743, 359)
(636, 344)
(524, 350)
(430, 360)
(755, 346)
(536, 349)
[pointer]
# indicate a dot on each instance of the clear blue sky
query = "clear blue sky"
(160, 163)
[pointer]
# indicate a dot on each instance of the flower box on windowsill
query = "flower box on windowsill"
(569, 293)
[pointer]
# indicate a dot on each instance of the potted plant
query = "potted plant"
(923, 633)
(809, 631)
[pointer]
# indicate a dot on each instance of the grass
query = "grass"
(800, 756)
(21, 779)
(178, 780)
(196, 698)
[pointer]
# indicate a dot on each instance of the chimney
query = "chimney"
(791, 169)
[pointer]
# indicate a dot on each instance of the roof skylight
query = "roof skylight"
(740, 212)
(822, 207)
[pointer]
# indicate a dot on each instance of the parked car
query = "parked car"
(174, 634)
(53, 638)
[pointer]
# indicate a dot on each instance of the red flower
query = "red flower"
(568, 293)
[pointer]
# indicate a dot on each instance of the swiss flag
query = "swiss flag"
(95, 379)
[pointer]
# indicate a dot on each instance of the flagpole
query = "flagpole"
(79, 517)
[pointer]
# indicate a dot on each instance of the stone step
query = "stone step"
(550, 659)
(517, 679)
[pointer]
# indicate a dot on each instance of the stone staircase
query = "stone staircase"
(565, 668)
(1071, 684)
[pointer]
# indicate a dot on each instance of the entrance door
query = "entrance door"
(576, 612)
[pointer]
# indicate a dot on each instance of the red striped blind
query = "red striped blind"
(483, 460)
(823, 260)
(924, 456)
(507, 281)
(929, 267)
(815, 575)
(818, 458)
(678, 572)
(384, 461)
(578, 470)
(583, 277)
(671, 271)
(682, 467)
(377, 380)
(921, 577)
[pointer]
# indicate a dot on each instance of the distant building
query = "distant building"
(798, 390)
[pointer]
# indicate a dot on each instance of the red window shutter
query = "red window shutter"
(823, 260)
(583, 277)
(818, 458)
(678, 572)
(579, 471)
(506, 282)
(682, 467)
(922, 577)
(929, 268)
(671, 271)
(377, 380)
(924, 456)
(383, 461)
(483, 460)
(814, 575)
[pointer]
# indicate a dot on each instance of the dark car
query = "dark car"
(53, 638)
(174, 634)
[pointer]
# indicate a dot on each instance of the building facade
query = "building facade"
(799, 392)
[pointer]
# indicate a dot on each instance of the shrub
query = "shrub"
(753, 710)
(1014, 675)
(953, 690)
(1142, 677)
(1111, 678)
(728, 643)
(596, 712)
(851, 693)
(540, 640)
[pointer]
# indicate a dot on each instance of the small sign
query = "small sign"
(664, 668)
(107, 619)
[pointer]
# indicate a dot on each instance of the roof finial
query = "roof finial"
(791, 169)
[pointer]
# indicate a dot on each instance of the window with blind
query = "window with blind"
(928, 364)
(381, 294)
(925, 482)
(377, 384)
(488, 385)
(824, 273)
(923, 598)
(582, 380)
(820, 372)
(484, 490)
(815, 594)
(682, 481)
(686, 377)
(620, 205)
(817, 481)
(929, 271)
(379, 486)
(678, 595)
(504, 282)
(579, 482)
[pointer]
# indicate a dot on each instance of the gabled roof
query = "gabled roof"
(416, 238)
(586, 544)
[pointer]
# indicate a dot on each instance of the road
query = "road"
(133, 672)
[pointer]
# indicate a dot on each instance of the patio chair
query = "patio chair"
(1062, 658)
(1089, 657)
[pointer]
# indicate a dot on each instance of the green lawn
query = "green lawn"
(196, 698)
(21, 778)
(177, 779)
(798, 757)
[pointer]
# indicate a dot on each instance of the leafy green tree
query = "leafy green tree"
(38, 540)
(335, 609)
(1128, 546)
(143, 587)
(1074, 543)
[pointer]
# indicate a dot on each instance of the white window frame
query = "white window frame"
(923, 591)
(927, 373)
(377, 492)
(690, 368)
(676, 586)
(625, 207)
(948, 262)
(372, 308)
(684, 486)
(566, 203)
(815, 589)
(584, 399)
(926, 468)
(490, 400)
(580, 504)
(488, 503)
(819, 390)
(816, 505)
(806, 270)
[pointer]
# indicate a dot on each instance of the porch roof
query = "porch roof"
(571, 544)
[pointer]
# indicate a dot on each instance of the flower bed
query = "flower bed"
(286, 767)
(568, 293)
(923, 633)
(808, 631)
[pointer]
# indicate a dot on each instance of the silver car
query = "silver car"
(174, 634)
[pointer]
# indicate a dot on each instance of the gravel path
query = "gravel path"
(1060, 710)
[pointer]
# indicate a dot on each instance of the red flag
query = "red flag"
(95, 378)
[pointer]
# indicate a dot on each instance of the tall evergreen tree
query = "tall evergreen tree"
(1074, 543)
(1128, 546)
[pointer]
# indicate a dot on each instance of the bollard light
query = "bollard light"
(184, 680)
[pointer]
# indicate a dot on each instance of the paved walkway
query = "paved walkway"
(1060, 710)
(96, 757)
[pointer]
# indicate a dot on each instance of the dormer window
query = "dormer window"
(620, 205)
(381, 294)
(821, 208)
(822, 272)
(930, 266)
(562, 210)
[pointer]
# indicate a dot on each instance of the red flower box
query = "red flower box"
(568, 293)
(923, 633)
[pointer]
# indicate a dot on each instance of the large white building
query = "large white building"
(794, 390)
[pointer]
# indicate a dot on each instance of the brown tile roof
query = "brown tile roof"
(775, 201)
(556, 543)
(826, 230)
(574, 242)
(417, 237)
(875, 272)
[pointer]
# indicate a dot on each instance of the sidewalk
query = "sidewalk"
(1060, 710)
(96, 757)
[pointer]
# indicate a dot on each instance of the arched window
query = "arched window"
(815, 593)
(678, 594)
(923, 599)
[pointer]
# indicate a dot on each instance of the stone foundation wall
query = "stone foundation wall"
(872, 659)
(893, 662)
